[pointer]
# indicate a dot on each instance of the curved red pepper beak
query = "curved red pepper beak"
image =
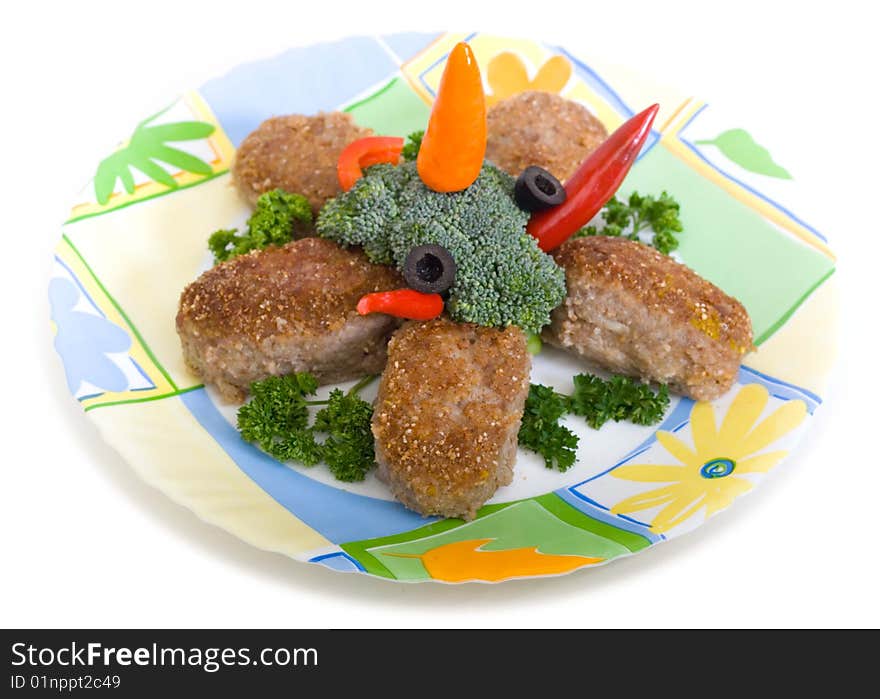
(593, 183)
(402, 303)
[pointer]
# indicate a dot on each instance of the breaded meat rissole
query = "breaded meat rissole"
(297, 154)
(539, 128)
(282, 310)
(448, 413)
(632, 310)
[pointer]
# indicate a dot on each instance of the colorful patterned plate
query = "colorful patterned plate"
(137, 235)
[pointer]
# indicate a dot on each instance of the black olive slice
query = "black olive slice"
(429, 269)
(537, 190)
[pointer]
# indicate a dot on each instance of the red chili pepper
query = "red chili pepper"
(363, 153)
(402, 303)
(593, 183)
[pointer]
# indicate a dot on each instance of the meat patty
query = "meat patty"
(448, 413)
(632, 310)
(540, 128)
(281, 310)
(297, 154)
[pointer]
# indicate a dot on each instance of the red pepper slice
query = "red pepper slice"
(402, 303)
(363, 153)
(593, 183)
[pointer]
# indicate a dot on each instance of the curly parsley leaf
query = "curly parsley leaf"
(277, 416)
(276, 216)
(596, 400)
(618, 398)
(298, 445)
(541, 432)
(413, 144)
(348, 449)
(640, 213)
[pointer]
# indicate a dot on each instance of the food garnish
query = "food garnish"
(640, 213)
(429, 269)
(454, 144)
(402, 303)
(537, 190)
(413, 144)
(277, 417)
(273, 222)
(366, 152)
(348, 448)
(593, 183)
(618, 398)
(502, 277)
(595, 399)
(541, 432)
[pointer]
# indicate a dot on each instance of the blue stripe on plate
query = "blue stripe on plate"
(779, 388)
(673, 422)
(340, 561)
(593, 509)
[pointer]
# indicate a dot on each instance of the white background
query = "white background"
(86, 544)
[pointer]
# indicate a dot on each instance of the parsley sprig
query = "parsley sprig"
(413, 143)
(595, 399)
(541, 432)
(348, 449)
(639, 213)
(277, 215)
(276, 418)
(619, 398)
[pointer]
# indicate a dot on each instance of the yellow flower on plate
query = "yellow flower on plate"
(507, 76)
(708, 474)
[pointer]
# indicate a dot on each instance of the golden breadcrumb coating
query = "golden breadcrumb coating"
(448, 413)
(543, 129)
(636, 311)
(295, 153)
(283, 309)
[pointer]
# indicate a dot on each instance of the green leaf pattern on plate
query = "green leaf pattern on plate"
(147, 145)
(738, 145)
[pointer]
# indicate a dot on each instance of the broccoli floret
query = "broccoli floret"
(275, 216)
(502, 277)
(361, 215)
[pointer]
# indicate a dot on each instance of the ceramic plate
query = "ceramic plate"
(137, 235)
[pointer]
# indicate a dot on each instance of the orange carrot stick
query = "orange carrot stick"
(454, 144)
